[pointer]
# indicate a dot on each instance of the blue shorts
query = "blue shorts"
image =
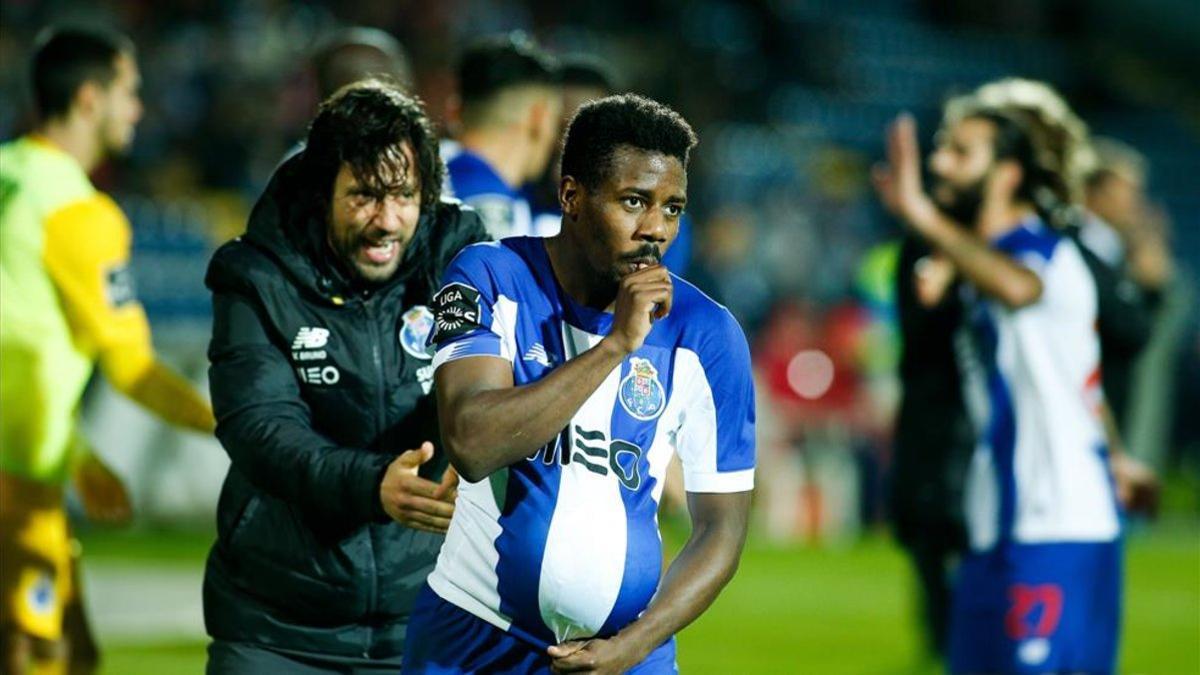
(1037, 608)
(444, 639)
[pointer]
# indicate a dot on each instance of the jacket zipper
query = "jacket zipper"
(380, 386)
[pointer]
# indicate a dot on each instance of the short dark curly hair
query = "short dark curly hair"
(362, 125)
(603, 125)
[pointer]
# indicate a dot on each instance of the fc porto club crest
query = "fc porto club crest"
(641, 394)
(415, 326)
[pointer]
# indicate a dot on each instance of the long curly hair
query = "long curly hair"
(363, 125)
(1039, 130)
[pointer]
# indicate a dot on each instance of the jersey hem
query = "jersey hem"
(459, 598)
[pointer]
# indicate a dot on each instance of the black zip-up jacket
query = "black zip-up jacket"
(317, 386)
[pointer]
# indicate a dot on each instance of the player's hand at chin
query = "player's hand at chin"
(642, 298)
(594, 656)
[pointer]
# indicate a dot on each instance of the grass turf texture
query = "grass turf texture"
(795, 609)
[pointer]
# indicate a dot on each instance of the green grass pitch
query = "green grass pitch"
(795, 609)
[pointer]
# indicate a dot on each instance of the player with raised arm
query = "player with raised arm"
(1038, 591)
(569, 370)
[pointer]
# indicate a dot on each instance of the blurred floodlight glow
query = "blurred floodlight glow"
(810, 373)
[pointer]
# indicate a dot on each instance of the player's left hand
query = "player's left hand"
(1137, 485)
(104, 497)
(414, 501)
(898, 181)
(613, 655)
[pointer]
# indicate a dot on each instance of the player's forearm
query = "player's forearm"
(1112, 434)
(705, 565)
(170, 397)
(487, 430)
(995, 274)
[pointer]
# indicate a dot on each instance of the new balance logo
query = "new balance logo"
(537, 354)
(310, 338)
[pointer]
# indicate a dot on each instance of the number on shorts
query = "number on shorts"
(1034, 610)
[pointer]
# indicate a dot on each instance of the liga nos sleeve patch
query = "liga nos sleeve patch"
(456, 312)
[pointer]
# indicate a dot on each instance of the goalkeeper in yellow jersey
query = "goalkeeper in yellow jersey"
(66, 304)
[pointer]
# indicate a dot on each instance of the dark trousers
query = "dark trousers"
(244, 658)
(933, 560)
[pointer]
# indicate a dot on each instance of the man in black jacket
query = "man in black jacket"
(320, 380)
(933, 437)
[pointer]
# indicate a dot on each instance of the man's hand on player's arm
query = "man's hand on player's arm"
(898, 183)
(487, 423)
(417, 502)
(706, 563)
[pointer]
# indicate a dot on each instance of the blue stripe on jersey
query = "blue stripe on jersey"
(733, 395)
(643, 552)
(1031, 237)
(1002, 425)
(532, 491)
(532, 486)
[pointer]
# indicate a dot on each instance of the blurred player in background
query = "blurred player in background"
(507, 123)
(336, 500)
(581, 79)
(357, 53)
(933, 436)
(1039, 588)
(1129, 234)
(354, 54)
(1125, 302)
(67, 303)
(1126, 230)
(569, 370)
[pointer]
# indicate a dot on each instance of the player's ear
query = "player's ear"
(539, 113)
(88, 98)
(1015, 175)
(568, 196)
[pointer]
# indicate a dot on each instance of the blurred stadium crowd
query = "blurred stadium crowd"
(790, 99)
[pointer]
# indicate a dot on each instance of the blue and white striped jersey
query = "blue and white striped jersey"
(1040, 470)
(565, 544)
